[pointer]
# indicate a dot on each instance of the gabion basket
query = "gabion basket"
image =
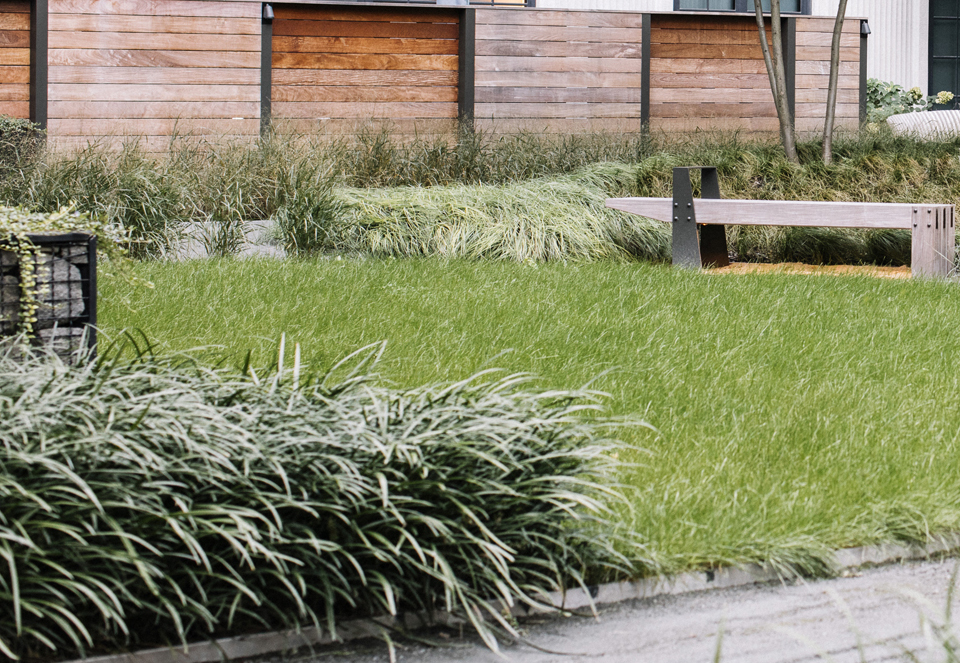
(66, 269)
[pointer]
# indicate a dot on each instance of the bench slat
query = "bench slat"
(778, 212)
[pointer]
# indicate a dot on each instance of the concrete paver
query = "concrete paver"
(877, 615)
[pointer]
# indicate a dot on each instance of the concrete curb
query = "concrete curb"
(246, 646)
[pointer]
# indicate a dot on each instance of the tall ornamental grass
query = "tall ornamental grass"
(154, 501)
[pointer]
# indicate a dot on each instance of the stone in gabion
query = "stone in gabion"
(9, 303)
(59, 291)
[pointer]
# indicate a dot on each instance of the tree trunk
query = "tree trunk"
(831, 114)
(778, 76)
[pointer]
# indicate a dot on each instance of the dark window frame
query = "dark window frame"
(746, 7)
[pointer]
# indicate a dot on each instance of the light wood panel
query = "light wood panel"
(152, 68)
(813, 74)
(351, 63)
(15, 58)
(557, 68)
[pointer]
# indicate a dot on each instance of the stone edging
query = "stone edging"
(246, 646)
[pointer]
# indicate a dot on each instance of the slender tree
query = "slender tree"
(831, 112)
(778, 76)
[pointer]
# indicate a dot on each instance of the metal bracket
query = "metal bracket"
(693, 249)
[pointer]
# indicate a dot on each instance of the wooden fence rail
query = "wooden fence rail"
(105, 70)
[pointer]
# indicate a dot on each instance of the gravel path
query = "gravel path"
(808, 621)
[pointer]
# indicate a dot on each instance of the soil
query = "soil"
(799, 268)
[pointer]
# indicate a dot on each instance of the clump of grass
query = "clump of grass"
(151, 501)
(559, 218)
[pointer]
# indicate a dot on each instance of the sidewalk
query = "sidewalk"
(813, 621)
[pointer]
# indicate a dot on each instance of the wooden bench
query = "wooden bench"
(699, 239)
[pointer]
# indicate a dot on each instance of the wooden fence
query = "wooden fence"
(102, 70)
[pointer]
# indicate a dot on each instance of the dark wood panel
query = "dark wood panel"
(154, 24)
(14, 39)
(557, 79)
(15, 6)
(557, 49)
(561, 18)
(371, 61)
(157, 8)
(557, 95)
(72, 57)
(554, 33)
(154, 75)
(689, 37)
(521, 110)
(19, 109)
(340, 13)
(294, 77)
(357, 45)
(14, 92)
(372, 28)
(15, 75)
(578, 64)
(705, 22)
(354, 93)
(156, 109)
(140, 42)
(129, 92)
(747, 110)
(399, 110)
(15, 21)
(14, 56)
(705, 52)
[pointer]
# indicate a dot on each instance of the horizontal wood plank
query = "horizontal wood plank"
(822, 67)
(397, 110)
(154, 24)
(844, 96)
(557, 110)
(714, 110)
(153, 109)
(15, 75)
(366, 61)
(354, 93)
(708, 66)
(14, 39)
(336, 127)
(357, 45)
(151, 127)
(504, 63)
(777, 212)
(130, 92)
(294, 77)
(15, 21)
(15, 6)
(696, 96)
(557, 95)
(722, 124)
(346, 13)
(706, 51)
(819, 82)
(554, 33)
(14, 92)
(558, 18)
(847, 40)
(612, 126)
(558, 49)
(153, 75)
(823, 53)
(371, 28)
(19, 109)
(813, 110)
(157, 8)
(709, 80)
(11, 57)
(153, 42)
(561, 79)
(109, 57)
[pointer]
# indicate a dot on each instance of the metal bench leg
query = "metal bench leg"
(713, 238)
(686, 243)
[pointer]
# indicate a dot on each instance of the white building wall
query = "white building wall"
(897, 46)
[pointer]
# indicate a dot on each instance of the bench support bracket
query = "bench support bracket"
(696, 246)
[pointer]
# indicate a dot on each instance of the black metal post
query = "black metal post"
(686, 243)
(645, 36)
(466, 85)
(864, 41)
(38, 62)
(266, 67)
(789, 28)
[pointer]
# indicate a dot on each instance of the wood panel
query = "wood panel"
(557, 68)
(15, 58)
(814, 37)
(152, 68)
(351, 63)
(707, 73)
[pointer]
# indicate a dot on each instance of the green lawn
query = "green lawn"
(795, 413)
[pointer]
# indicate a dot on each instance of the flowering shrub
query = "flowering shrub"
(885, 99)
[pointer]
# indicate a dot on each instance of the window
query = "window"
(743, 6)
(944, 46)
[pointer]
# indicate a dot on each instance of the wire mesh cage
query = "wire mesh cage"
(65, 266)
